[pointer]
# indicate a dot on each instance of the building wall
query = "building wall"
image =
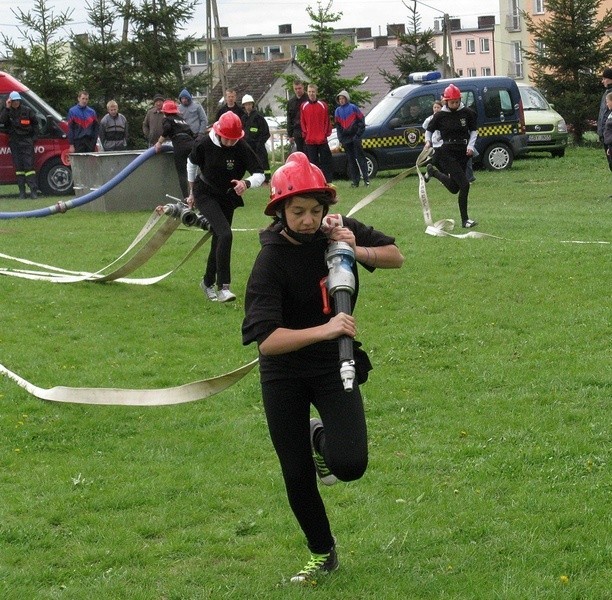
(473, 51)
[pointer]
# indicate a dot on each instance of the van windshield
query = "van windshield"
(532, 99)
(387, 106)
(41, 106)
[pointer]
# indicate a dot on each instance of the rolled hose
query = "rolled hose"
(62, 207)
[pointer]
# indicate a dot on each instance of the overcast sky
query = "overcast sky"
(246, 17)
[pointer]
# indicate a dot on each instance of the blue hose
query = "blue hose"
(62, 207)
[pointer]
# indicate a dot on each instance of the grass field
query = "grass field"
(488, 410)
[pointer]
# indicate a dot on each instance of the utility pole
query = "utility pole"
(214, 33)
(448, 41)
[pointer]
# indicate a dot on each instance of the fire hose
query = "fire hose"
(62, 207)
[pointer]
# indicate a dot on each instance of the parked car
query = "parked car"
(546, 128)
(394, 135)
(54, 177)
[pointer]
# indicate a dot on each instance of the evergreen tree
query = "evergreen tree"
(414, 53)
(322, 64)
(41, 62)
(571, 49)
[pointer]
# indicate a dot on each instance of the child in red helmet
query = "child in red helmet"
(177, 130)
(298, 346)
(458, 129)
(223, 158)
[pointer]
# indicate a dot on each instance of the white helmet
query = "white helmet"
(247, 98)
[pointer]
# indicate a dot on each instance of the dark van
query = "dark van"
(54, 177)
(394, 134)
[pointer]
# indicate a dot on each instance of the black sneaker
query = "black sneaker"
(469, 224)
(323, 472)
(319, 564)
(428, 173)
(355, 184)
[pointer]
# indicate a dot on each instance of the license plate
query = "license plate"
(540, 138)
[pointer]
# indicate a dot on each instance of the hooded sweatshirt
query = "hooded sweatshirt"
(193, 113)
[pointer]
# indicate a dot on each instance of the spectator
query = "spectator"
(257, 132)
(230, 105)
(22, 127)
(113, 128)
(350, 125)
(458, 130)
(316, 127)
(176, 129)
(153, 121)
(294, 115)
(223, 158)
(83, 125)
(607, 132)
(298, 348)
(606, 81)
(193, 113)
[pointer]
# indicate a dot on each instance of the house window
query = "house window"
(517, 60)
(273, 52)
(197, 57)
(485, 45)
(470, 46)
(538, 7)
(236, 55)
(250, 52)
(460, 72)
(485, 71)
(513, 18)
(471, 72)
(458, 44)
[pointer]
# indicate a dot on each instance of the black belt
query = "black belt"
(463, 142)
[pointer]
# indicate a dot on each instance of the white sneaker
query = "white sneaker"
(224, 295)
(209, 291)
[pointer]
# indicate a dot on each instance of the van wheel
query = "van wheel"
(55, 178)
(372, 165)
(497, 157)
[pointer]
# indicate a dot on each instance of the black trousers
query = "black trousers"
(452, 162)
(220, 214)
(343, 445)
(320, 155)
(181, 153)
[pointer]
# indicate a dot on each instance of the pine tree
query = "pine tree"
(414, 52)
(323, 63)
(571, 49)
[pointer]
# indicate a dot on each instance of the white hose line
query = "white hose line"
(189, 392)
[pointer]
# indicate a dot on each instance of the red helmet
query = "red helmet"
(169, 107)
(452, 92)
(229, 126)
(297, 176)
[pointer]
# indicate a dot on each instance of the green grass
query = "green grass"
(488, 410)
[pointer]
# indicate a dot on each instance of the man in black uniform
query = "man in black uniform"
(294, 124)
(458, 129)
(22, 127)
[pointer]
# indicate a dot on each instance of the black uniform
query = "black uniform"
(284, 290)
(175, 128)
(22, 127)
(294, 120)
(257, 133)
(216, 200)
(455, 128)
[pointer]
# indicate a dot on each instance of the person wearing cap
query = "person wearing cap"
(176, 129)
(193, 113)
(153, 121)
(287, 316)
(256, 132)
(458, 129)
(350, 125)
(606, 81)
(21, 125)
(83, 125)
(215, 170)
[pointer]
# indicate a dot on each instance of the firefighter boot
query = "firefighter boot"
(21, 184)
(31, 180)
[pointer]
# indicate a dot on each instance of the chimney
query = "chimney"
(363, 33)
(284, 29)
(486, 22)
(223, 32)
(396, 30)
(455, 24)
(380, 41)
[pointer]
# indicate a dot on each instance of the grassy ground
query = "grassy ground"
(488, 410)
